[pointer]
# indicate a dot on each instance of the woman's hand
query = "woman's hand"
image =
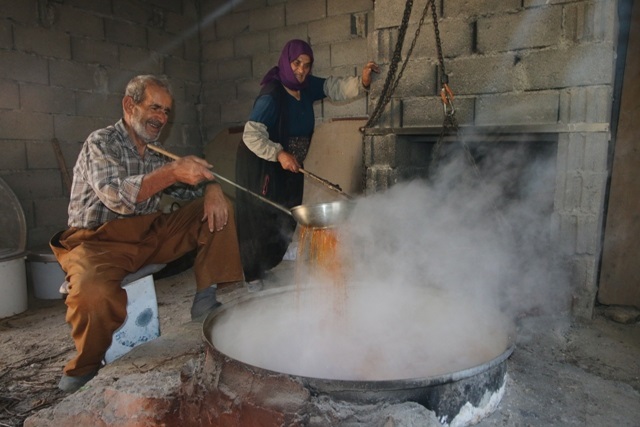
(366, 73)
(288, 161)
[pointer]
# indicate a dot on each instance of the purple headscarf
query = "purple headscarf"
(283, 72)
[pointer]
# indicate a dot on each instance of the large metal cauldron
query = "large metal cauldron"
(248, 330)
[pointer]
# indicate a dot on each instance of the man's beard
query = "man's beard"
(140, 129)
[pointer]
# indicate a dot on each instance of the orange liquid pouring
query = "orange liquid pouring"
(319, 256)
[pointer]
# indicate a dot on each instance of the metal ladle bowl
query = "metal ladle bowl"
(322, 215)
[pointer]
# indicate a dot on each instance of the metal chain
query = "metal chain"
(385, 95)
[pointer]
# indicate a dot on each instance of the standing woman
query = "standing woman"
(275, 143)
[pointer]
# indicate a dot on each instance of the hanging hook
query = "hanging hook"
(447, 100)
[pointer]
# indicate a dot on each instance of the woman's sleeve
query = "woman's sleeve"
(256, 138)
(343, 88)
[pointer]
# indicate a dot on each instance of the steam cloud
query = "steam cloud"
(436, 270)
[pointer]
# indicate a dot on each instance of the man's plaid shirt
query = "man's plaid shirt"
(107, 178)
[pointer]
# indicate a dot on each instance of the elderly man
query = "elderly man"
(115, 226)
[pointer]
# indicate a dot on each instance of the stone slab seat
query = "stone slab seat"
(142, 323)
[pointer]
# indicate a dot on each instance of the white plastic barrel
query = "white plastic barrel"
(13, 284)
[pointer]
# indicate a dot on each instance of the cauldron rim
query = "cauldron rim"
(342, 385)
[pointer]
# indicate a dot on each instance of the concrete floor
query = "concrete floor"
(560, 374)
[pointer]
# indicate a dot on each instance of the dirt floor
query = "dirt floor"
(560, 374)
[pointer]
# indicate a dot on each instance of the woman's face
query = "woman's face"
(301, 67)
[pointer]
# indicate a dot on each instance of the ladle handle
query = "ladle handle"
(222, 178)
(329, 184)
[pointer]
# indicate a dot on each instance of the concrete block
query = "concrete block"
(418, 79)
(573, 191)
(482, 74)
(40, 155)
(137, 12)
(527, 29)
(77, 128)
(354, 108)
(280, 36)
(575, 152)
(210, 71)
(389, 13)
(6, 35)
(23, 67)
(166, 43)
(456, 38)
(184, 113)
(24, 12)
(79, 22)
(236, 112)
(94, 51)
(262, 63)
(349, 53)
(25, 125)
(596, 151)
(511, 109)
(72, 75)
(35, 184)
(587, 235)
(429, 111)
(340, 7)
(250, 44)
(593, 21)
(248, 88)
(179, 25)
(379, 178)
(575, 65)
(47, 99)
(590, 104)
(568, 232)
(220, 94)
(140, 60)
(13, 155)
(171, 5)
(191, 92)
(125, 33)
(267, 18)
(234, 69)
(335, 28)
(479, 7)
(217, 49)
(302, 11)
(51, 211)
(93, 104)
(98, 6)
(9, 95)
(593, 194)
(117, 79)
(179, 68)
(232, 24)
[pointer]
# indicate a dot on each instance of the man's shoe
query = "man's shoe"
(73, 384)
(204, 302)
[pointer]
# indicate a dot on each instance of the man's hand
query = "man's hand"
(216, 210)
(192, 170)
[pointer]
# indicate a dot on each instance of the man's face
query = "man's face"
(149, 117)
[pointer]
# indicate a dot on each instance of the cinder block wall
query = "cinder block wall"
(63, 68)
(547, 65)
(246, 42)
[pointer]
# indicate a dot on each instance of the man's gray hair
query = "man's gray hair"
(137, 85)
